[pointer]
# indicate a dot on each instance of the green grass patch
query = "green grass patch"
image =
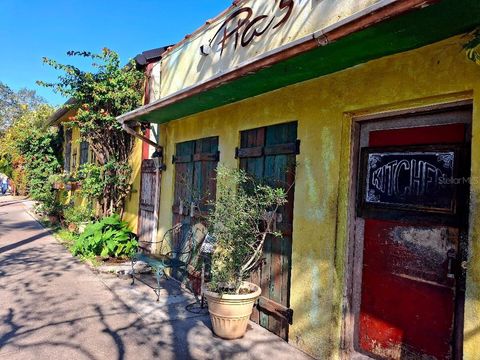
(65, 237)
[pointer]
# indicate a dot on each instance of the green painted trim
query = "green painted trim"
(410, 31)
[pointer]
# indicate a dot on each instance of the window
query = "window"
(67, 150)
(83, 152)
(74, 160)
(195, 163)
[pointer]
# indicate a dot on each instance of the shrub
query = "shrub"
(77, 215)
(243, 216)
(66, 237)
(101, 95)
(107, 237)
(49, 207)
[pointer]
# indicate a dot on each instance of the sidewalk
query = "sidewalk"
(54, 307)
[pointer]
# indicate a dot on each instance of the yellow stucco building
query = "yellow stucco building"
(378, 106)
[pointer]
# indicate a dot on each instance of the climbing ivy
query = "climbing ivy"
(31, 152)
(472, 47)
(40, 150)
(99, 97)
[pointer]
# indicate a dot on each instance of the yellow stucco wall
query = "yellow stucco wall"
(324, 108)
(133, 200)
(73, 196)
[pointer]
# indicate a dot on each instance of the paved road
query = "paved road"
(54, 307)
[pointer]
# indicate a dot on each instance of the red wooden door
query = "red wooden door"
(410, 277)
(146, 221)
(268, 153)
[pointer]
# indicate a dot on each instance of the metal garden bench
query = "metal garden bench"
(177, 252)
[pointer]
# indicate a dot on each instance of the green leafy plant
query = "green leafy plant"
(66, 237)
(472, 47)
(56, 178)
(77, 215)
(242, 217)
(41, 161)
(30, 152)
(99, 97)
(107, 237)
(93, 183)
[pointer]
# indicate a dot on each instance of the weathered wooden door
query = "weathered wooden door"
(269, 153)
(195, 181)
(413, 202)
(146, 221)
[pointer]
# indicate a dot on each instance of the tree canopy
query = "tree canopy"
(14, 104)
(29, 152)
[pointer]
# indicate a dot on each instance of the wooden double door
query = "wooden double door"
(195, 179)
(268, 154)
(412, 219)
(195, 188)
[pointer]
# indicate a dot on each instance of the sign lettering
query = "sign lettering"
(242, 27)
(410, 179)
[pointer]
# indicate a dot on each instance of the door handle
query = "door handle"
(451, 257)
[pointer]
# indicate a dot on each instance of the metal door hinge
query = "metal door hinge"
(287, 314)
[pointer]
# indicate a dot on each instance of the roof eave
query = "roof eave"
(55, 118)
(372, 15)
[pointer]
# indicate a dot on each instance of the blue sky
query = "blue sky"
(31, 29)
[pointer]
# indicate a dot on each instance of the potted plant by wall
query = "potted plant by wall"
(242, 217)
(72, 183)
(51, 209)
(57, 181)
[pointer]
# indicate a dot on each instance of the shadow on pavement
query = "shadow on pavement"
(54, 307)
(23, 242)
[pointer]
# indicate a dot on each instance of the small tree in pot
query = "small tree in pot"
(241, 219)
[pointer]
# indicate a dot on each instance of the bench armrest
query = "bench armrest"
(142, 248)
(173, 253)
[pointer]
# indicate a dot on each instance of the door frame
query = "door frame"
(413, 117)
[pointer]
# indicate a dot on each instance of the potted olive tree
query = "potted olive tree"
(242, 217)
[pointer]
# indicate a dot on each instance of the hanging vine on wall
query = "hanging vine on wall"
(472, 47)
(100, 96)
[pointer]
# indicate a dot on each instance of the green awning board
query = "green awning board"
(412, 30)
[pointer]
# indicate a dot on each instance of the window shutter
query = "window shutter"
(83, 152)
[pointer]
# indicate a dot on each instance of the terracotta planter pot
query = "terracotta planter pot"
(58, 186)
(53, 219)
(72, 227)
(230, 313)
(81, 227)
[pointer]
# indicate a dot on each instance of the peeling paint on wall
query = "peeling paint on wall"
(315, 292)
(312, 191)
